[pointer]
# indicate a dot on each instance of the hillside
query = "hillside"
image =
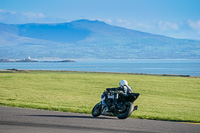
(90, 39)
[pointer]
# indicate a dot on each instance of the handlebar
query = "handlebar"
(114, 89)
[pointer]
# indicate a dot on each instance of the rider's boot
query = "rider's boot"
(135, 108)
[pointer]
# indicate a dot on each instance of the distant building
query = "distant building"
(27, 60)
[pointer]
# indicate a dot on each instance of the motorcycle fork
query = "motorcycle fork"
(116, 95)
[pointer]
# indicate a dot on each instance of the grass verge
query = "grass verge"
(162, 97)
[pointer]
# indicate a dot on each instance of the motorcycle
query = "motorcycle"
(117, 104)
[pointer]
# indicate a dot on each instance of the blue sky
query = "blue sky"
(174, 18)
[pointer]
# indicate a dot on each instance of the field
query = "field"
(162, 97)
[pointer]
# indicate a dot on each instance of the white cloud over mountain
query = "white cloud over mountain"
(167, 28)
(34, 15)
(167, 25)
(195, 25)
(13, 17)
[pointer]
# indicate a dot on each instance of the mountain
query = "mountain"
(90, 39)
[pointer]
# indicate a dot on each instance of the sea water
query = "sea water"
(154, 66)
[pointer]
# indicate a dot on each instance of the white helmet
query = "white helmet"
(123, 83)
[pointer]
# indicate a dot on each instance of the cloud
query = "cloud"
(108, 21)
(195, 25)
(12, 17)
(9, 12)
(182, 29)
(145, 26)
(165, 25)
(33, 15)
(20, 17)
(123, 22)
(116, 22)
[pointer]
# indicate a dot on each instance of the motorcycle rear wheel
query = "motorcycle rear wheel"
(96, 111)
(126, 112)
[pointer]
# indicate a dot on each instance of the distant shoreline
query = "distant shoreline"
(27, 71)
(29, 60)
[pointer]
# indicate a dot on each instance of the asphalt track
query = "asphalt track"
(19, 120)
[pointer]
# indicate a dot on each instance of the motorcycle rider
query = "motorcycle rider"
(123, 86)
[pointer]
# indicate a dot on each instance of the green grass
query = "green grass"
(162, 97)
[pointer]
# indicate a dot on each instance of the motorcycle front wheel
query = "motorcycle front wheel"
(126, 111)
(96, 111)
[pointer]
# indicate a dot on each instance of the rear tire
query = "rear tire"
(96, 111)
(126, 112)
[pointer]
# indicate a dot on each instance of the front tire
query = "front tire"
(126, 111)
(96, 111)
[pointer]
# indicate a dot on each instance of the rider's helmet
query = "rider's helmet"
(123, 83)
